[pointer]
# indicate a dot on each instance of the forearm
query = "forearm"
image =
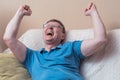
(99, 27)
(13, 26)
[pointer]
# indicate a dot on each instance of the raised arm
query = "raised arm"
(99, 41)
(11, 31)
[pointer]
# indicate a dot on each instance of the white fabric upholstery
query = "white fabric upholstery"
(33, 38)
(104, 65)
(101, 66)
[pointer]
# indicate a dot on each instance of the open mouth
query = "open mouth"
(50, 33)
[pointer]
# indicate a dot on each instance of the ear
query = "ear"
(63, 37)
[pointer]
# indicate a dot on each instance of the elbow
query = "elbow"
(102, 42)
(7, 40)
(4, 38)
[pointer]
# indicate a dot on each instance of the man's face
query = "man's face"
(52, 33)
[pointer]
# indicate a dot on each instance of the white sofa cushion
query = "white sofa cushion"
(106, 64)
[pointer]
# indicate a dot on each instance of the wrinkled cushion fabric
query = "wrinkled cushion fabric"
(11, 69)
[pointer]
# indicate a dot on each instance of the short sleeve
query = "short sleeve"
(29, 59)
(77, 49)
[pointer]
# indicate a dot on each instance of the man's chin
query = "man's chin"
(49, 41)
(49, 37)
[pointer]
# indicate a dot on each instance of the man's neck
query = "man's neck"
(48, 47)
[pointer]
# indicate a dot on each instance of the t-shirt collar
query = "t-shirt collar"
(57, 47)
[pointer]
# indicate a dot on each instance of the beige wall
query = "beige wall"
(70, 12)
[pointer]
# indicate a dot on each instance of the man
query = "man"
(59, 60)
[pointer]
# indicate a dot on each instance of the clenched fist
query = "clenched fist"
(90, 9)
(24, 10)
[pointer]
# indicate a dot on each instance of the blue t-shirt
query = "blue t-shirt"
(60, 63)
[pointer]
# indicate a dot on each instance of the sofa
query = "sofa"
(104, 65)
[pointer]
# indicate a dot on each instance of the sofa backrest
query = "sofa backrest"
(33, 38)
